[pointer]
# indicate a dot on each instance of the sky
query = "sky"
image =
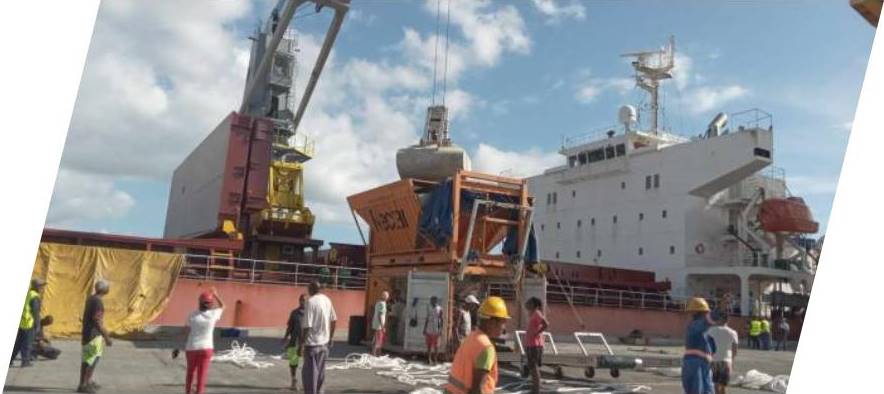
(521, 75)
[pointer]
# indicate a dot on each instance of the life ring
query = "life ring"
(700, 249)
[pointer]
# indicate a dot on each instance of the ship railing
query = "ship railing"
(589, 136)
(243, 270)
(602, 297)
(750, 119)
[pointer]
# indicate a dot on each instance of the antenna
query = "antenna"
(651, 67)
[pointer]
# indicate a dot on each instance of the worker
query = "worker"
(473, 306)
(292, 337)
(29, 324)
(755, 333)
(726, 341)
(200, 328)
(379, 323)
(464, 324)
(765, 333)
(474, 369)
(94, 337)
(433, 329)
(318, 331)
(42, 346)
(696, 375)
(537, 324)
(396, 321)
(783, 335)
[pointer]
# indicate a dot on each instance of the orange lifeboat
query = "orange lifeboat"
(789, 215)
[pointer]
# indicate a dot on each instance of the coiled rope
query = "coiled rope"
(242, 356)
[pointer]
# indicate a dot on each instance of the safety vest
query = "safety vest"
(765, 326)
(461, 377)
(754, 328)
(27, 318)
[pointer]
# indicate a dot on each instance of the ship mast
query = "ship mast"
(651, 67)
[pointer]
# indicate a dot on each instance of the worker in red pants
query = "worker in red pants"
(200, 345)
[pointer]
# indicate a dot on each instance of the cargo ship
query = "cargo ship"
(623, 230)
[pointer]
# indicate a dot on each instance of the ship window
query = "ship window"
(615, 219)
(582, 158)
(558, 225)
(762, 152)
(579, 223)
(557, 254)
(664, 214)
(555, 198)
(656, 181)
(542, 227)
(573, 193)
(572, 161)
(609, 152)
(578, 254)
(592, 222)
(672, 250)
(598, 253)
(596, 155)
(641, 216)
(548, 198)
(641, 251)
(622, 185)
(182, 189)
(621, 150)
(648, 182)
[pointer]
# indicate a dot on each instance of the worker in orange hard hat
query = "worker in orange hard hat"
(696, 374)
(474, 369)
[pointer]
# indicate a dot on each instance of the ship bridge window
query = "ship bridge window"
(656, 181)
(621, 150)
(609, 152)
(579, 223)
(572, 161)
(615, 219)
(762, 152)
(671, 249)
(596, 155)
(557, 254)
(548, 198)
(622, 185)
(573, 193)
(641, 216)
(555, 198)
(578, 254)
(598, 253)
(641, 251)
(581, 158)
(664, 214)
(592, 222)
(648, 182)
(558, 225)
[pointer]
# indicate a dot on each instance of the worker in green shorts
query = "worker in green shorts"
(94, 337)
(291, 338)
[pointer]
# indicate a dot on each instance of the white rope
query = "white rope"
(414, 374)
(242, 356)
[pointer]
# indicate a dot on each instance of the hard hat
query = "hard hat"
(471, 299)
(697, 304)
(493, 307)
(207, 297)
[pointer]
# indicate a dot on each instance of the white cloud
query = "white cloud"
(588, 93)
(79, 196)
(555, 10)
(682, 73)
(526, 163)
(701, 99)
(589, 89)
(160, 75)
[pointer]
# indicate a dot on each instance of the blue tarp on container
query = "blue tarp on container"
(436, 219)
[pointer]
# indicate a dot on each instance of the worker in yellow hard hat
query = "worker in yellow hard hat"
(474, 369)
(696, 374)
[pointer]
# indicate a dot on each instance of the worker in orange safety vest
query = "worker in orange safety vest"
(474, 369)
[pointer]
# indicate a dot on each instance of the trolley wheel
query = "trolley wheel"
(559, 372)
(589, 372)
(615, 373)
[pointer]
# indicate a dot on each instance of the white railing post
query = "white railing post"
(252, 273)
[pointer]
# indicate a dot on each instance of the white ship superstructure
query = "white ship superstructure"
(684, 208)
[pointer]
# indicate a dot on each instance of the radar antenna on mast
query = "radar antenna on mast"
(651, 67)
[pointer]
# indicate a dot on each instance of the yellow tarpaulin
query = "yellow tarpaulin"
(140, 285)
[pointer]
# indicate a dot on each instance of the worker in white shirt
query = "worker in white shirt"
(726, 343)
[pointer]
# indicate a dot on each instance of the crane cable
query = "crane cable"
(436, 50)
(445, 72)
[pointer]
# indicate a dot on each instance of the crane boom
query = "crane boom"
(340, 7)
